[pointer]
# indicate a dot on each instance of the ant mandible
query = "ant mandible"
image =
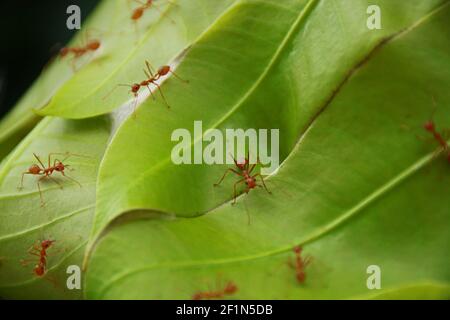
(245, 171)
(46, 172)
(300, 264)
(40, 250)
(230, 289)
(151, 79)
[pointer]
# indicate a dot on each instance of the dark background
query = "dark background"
(30, 31)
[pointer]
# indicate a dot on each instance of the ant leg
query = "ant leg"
(20, 187)
(52, 280)
(151, 93)
(139, 2)
(35, 248)
(445, 133)
(72, 64)
(162, 95)
(38, 159)
(234, 188)
(67, 154)
(164, 14)
(150, 69)
(307, 260)
(113, 89)
(26, 262)
(223, 177)
(40, 192)
(178, 77)
(56, 181)
(262, 180)
(70, 178)
(135, 105)
(248, 213)
(290, 263)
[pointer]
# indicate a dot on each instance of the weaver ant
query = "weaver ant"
(245, 171)
(46, 172)
(79, 51)
(40, 250)
(139, 11)
(229, 289)
(152, 78)
(441, 138)
(300, 264)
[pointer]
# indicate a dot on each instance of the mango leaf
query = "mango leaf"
(159, 37)
(66, 216)
(17, 123)
(357, 189)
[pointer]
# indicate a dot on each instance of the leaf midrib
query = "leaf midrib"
(46, 224)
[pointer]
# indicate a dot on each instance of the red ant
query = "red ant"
(79, 51)
(431, 128)
(139, 11)
(300, 264)
(39, 250)
(229, 289)
(46, 172)
(440, 137)
(151, 79)
(245, 172)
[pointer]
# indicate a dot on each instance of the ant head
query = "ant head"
(298, 249)
(47, 243)
(34, 169)
(135, 87)
(164, 70)
(429, 126)
(64, 51)
(60, 166)
(230, 288)
(94, 45)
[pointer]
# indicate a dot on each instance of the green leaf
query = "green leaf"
(285, 84)
(358, 189)
(67, 215)
(21, 119)
(160, 38)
